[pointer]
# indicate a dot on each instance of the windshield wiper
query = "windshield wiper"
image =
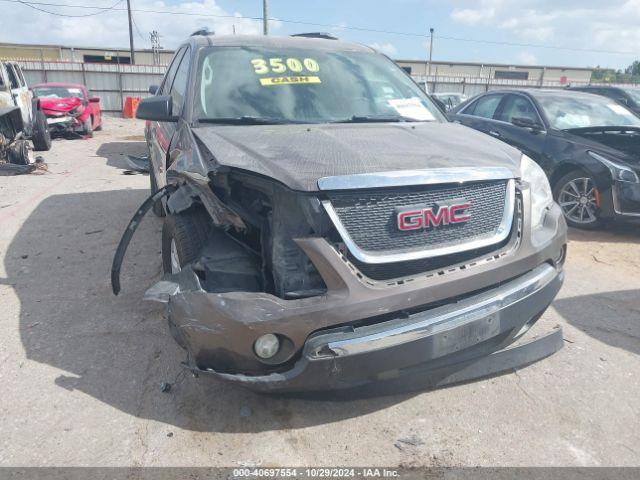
(376, 119)
(248, 120)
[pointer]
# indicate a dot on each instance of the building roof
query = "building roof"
(489, 64)
(76, 47)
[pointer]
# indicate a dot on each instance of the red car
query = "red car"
(69, 108)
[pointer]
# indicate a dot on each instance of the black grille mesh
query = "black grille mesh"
(370, 217)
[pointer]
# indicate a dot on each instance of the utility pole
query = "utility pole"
(430, 49)
(265, 17)
(155, 46)
(133, 55)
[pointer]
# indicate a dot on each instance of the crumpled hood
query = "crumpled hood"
(60, 104)
(299, 155)
(623, 143)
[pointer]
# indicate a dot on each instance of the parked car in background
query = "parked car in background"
(326, 227)
(628, 96)
(69, 108)
(15, 93)
(588, 145)
(450, 100)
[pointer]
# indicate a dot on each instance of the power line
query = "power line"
(323, 25)
(33, 5)
(137, 29)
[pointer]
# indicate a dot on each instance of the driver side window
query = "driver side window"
(168, 80)
(517, 106)
(486, 106)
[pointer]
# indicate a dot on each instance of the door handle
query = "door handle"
(493, 133)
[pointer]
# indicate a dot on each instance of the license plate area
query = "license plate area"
(466, 335)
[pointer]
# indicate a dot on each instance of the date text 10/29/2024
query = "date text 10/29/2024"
(316, 473)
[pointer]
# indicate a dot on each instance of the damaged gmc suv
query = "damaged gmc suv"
(327, 229)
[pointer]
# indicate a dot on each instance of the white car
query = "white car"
(14, 92)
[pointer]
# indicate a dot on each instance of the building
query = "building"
(497, 71)
(52, 53)
(533, 74)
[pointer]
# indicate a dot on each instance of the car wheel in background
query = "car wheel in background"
(579, 200)
(88, 127)
(41, 137)
(98, 127)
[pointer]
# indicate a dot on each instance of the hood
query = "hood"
(60, 104)
(299, 155)
(621, 142)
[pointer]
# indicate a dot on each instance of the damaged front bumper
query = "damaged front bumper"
(364, 338)
(445, 345)
(65, 124)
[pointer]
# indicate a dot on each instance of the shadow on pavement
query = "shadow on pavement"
(118, 349)
(115, 153)
(614, 233)
(610, 317)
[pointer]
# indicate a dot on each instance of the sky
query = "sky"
(583, 33)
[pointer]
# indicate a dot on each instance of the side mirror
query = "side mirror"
(524, 122)
(153, 89)
(156, 109)
(94, 99)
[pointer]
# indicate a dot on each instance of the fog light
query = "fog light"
(267, 346)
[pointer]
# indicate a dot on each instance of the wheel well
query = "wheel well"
(562, 171)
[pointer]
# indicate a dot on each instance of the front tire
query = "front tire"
(183, 237)
(578, 197)
(41, 137)
(88, 127)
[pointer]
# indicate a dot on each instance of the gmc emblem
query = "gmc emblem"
(417, 218)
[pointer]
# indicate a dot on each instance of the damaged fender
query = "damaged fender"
(130, 230)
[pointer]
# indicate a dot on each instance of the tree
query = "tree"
(633, 69)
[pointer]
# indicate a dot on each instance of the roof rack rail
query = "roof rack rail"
(202, 31)
(325, 35)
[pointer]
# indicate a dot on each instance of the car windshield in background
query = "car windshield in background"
(58, 92)
(452, 100)
(634, 93)
(566, 112)
(261, 85)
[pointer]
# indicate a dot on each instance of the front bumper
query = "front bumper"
(450, 344)
(66, 123)
(626, 199)
(219, 329)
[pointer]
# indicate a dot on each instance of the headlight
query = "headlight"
(619, 172)
(76, 111)
(539, 190)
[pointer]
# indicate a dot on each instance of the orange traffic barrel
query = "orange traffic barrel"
(130, 107)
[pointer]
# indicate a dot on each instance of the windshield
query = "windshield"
(634, 93)
(565, 112)
(308, 86)
(58, 92)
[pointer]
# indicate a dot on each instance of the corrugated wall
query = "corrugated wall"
(112, 83)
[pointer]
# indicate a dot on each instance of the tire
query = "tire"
(88, 127)
(158, 208)
(577, 196)
(188, 231)
(99, 127)
(41, 137)
(18, 154)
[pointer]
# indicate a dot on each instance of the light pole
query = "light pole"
(133, 55)
(265, 17)
(430, 49)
